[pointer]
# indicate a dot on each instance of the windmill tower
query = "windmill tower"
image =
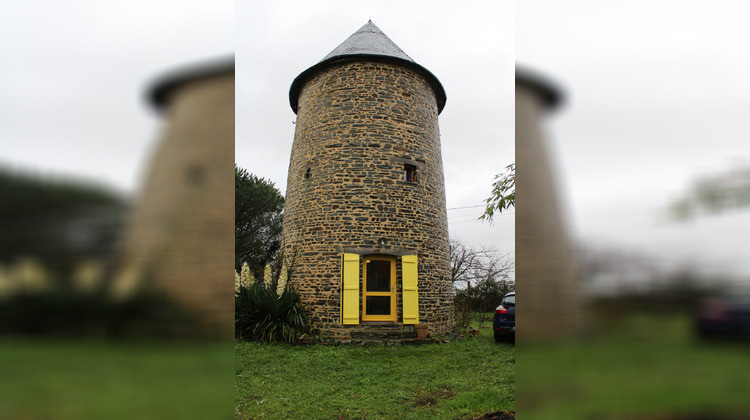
(180, 236)
(365, 228)
(544, 261)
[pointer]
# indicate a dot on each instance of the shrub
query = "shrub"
(262, 315)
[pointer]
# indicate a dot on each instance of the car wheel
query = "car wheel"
(498, 337)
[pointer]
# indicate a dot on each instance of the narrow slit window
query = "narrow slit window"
(307, 173)
(410, 173)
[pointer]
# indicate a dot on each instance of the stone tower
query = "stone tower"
(180, 237)
(544, 262)
(365, 228)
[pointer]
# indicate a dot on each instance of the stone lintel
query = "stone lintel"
(378, 251)
(419, 164)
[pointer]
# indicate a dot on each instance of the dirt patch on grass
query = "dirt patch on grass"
(433, 396)
(422, 401)
(497, 415)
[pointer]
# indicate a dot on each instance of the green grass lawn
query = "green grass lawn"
(462, 379)
(649, 367)
(54, 379)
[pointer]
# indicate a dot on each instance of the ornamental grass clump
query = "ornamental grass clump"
(246, 278)
(281, 286)
(267, 276)
(265, 311)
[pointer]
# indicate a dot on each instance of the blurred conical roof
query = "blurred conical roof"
(161, 90)
(550, 93)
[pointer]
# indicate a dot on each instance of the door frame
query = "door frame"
(392, 293)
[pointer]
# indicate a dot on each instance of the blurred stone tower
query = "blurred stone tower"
(180, 239)
(365, 227)
(548, 294)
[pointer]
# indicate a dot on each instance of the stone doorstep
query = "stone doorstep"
(393, 335)
(382, 331)
(380, 334)
(388, 342)
(384, 328)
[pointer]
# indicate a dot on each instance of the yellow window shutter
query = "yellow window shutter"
(410, 295)
(349, 289)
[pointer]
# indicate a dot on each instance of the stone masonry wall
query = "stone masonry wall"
(358, 123)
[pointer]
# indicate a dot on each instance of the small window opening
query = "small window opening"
(307, 173)
(196, 175)
(410, 173)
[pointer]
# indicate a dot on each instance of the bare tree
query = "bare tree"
(473, 264)
(463, 262)
(481, 276)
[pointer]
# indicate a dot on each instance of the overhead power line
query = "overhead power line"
(476, 219)
(467, 207)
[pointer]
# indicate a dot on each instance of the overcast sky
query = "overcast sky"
(658, 94)
(75, 75)
(468, 46)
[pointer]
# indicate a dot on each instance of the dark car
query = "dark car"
(725, 317)
(504, 323)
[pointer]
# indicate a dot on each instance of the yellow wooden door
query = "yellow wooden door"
(379, 289)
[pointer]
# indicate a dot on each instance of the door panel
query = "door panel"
(378, 305)
(378, 276)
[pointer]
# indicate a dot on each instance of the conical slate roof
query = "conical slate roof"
(371, 44)
(370, 40)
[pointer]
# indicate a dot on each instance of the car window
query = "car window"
(509, 300)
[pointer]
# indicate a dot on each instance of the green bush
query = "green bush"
(261, 315)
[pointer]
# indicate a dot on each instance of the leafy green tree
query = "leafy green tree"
(258, 208)
(713, 194)
(503, 195)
